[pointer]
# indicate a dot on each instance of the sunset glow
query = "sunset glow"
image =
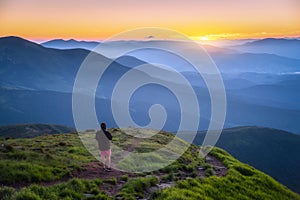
(203, 38)
(96, 20)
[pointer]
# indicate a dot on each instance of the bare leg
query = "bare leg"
(102, 157)
(108, 161)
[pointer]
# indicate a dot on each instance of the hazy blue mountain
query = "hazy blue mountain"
(230, 81)
(282, 47)
(284, 94)
(28, 106)
(227, 42)
(47, 107)
(70, 44)
(255, 111)
(273, 151)
(129, 61)
(26, 64)
(256, 63)
(136, 48)
(51, 107)
(228, 61)
(36, 80)
(271, 90)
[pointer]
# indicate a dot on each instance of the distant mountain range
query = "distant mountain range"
(273, 151)
(282, 47)
(279, 46)
(262, 89)
(70, 44)
(253, 56)
(29, 65)
(256, 62)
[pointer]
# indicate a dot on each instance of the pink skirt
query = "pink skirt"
(105, 153)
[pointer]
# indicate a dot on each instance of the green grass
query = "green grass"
(275, 152)
(241, 182)
(137, 187)
(151, 154)
(44, 158)
(124, 178)
(73, 189)
(52, 157)
(76, 188)
(112, 181)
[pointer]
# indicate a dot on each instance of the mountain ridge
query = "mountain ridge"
(271, 40)
(70, 44)
(279, 46)
(32, 130)
(46, 69)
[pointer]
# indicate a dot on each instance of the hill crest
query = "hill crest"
(59, 163)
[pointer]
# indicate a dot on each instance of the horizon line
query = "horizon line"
(195, 38)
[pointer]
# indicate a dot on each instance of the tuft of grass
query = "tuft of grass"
(112, 181)
(167, 178)
(136, 187)
(209, 172)
(6, 193)
(124, 178)
(27, 194)
(73, 189)
(100, 196)
(246, 171)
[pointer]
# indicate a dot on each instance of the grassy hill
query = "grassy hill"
(58, 166)
(32, 130)
(273, 151)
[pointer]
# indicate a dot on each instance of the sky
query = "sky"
(198, 19)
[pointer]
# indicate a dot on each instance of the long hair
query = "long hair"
(103, 126)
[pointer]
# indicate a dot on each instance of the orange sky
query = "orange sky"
(98, 19)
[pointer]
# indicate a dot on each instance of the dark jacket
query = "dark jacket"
(103, 138)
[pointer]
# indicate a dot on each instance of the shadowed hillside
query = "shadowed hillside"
(32, 130)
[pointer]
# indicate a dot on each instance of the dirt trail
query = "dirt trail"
(219, 168)
(95, 170)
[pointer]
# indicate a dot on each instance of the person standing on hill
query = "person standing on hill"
(103, 137)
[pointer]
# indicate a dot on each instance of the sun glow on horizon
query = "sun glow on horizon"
(203, 38)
